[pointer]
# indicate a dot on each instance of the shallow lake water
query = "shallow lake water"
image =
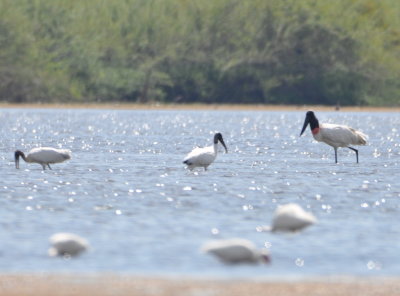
(127, 191)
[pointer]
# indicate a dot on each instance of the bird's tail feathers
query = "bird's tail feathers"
(361, 138)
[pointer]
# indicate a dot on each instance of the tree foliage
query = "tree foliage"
(220, 51)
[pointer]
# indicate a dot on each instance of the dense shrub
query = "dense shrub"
(224, 51)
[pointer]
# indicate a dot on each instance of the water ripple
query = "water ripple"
(127, 191)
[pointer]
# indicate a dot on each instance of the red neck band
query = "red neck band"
(315, 131)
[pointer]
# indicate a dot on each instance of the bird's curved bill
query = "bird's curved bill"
(223, 144)
(306, 122)
(17, 162)
(266, 258)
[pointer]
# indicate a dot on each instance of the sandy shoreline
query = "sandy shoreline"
(109, 284)
(232, 107)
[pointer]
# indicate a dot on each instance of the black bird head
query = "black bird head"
(218, 137)
(17, 154)
(310, 119)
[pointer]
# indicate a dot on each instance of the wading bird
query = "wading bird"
(43, 156)
(333, 134)
(67, 244)
(236, 250)
(203, 157)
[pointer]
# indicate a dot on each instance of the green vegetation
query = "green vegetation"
(220, 51)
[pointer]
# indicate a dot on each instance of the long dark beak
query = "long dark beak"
(16, 160)
(266, 259)
(223, 144)
(306, 122)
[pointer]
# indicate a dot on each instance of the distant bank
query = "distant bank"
(227, 107)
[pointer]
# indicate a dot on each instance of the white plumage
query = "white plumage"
(235, 251)
(291, 217)
(43, 156)
(67, 244)
(203, 157)
(334, 135)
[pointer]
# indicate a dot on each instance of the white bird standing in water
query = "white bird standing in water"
(203, 157)
(333, 134)
(236, 250)
(67, 244)
(291, 217)
(43, 156)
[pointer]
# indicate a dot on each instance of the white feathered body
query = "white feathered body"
(48, 155)
(201, 157)
(291, 217)
(67, 244)
(337, 135)
(235, 251)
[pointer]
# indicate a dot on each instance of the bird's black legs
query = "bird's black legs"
(49, 166)
(355, 150)
(335, 154)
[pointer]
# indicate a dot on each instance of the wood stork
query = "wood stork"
(236, 250)
(203, 157)
(67, 244)
(333, 134)
(291, 217)
(43, 156)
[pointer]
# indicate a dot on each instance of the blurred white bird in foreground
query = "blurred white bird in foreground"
(43, 156)
(67, 244)
(290, 217)
(235, 251)
(203, 157)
